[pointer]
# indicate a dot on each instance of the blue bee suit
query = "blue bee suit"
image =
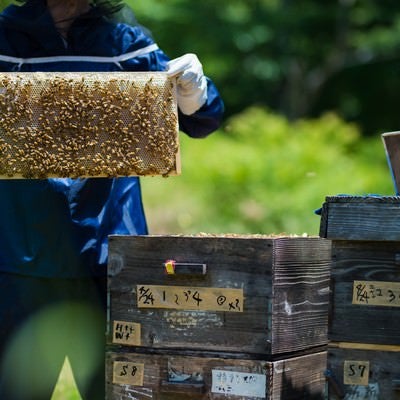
(53, 241)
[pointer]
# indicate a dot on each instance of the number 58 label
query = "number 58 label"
(128, 373)
(356, 373)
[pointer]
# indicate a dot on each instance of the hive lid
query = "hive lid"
(369, 217)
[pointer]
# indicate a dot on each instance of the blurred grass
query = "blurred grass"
(66, 388)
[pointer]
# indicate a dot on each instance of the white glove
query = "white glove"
(191, 82)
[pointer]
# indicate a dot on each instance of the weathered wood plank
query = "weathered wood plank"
(372, 262)
(363, 374)
(301, 271)
(391, 142)
(285, 282)
(182, 377)
(361, 218)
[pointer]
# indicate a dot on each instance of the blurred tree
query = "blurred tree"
(4, 3)
(298, 57)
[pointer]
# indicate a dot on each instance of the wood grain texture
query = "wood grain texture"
(291, 379)
(300, 301)
(382, 380)
(361, 218)
(369, 261)
(285, 283)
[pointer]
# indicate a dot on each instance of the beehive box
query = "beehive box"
(181, 377)
(361, 218)
(365, 292)
(250, 294)
(363, 372)
(365, 286)
(88, 124)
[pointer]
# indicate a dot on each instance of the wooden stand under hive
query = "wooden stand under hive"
(88, 124)
(364, 323)
(217, 317)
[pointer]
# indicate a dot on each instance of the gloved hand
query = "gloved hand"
(191, 82)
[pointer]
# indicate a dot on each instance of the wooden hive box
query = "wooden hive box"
(154, 376)
(363, 372)
(361, 218)
(365, 279)
(365, 292)
(248, 294)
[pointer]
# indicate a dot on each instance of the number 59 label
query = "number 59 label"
(356, 373)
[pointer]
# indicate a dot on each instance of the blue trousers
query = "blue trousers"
(43, 321)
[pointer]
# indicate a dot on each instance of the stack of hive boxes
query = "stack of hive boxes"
(364, 327)
(217, 317)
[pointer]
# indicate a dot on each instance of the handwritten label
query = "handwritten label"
(190, 298)
(238, 383)
(356, 373)
(126, 333)
(370, 392)
(128, 373)
(376, 293)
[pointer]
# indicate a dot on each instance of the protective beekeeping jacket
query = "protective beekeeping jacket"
(59, 227)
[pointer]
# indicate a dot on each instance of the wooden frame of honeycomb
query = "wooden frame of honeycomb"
(88, 124)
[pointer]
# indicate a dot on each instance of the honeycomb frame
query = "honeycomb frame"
(92, 124)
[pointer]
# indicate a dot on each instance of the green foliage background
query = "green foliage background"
(300, 58)
(308, 86)
(265, 174)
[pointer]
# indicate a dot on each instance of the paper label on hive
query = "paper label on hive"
(376, 293)
(238, 383)
(190, 298)
(126, 333)
(356, 373)
(357, 392)
(128, 373)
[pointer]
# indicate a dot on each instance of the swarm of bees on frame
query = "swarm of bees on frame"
(87, 125)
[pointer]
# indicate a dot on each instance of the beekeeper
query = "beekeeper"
(53, 236)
